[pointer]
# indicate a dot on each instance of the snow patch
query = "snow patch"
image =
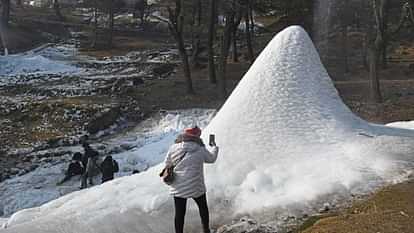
(24, 64)
(402, 124)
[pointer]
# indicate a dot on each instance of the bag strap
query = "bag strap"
(179, 160)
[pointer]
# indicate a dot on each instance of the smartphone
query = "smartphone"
(212, 140)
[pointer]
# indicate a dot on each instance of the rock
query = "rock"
(14, 171)
(163, 70)
(246, 225)
(127, 146)
(33, 167)
(137, 81)
(326, 207)
(22, 172)
(289, 218)
(103, 120)
(54, 142)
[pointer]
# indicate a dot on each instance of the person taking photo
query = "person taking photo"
(188, 156)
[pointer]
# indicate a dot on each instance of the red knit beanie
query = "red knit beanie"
(195, 131)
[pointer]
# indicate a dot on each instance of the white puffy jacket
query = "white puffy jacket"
(189, 172)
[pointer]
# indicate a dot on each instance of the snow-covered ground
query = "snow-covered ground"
(139, 149)
(287, 143)
(62, 67)
(48, 60)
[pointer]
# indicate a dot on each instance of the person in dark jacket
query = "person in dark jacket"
(75, 168)
(89, 159)
(108, 167)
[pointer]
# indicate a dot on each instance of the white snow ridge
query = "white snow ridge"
(286, 142)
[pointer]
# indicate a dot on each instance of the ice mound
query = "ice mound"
(25, 64)
(286, 141)
(287, 137)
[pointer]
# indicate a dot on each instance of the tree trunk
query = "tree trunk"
(375, 93)
(234, 35)
(56, 7)
(186, 65)
(251, 3)
(365, 52)
(143, 8)
(375, 49)
(111, 24)
(379, 13)
(210, 42)
(385, 36)
(5, 16)
(234, 47)
(176, 25)
(403, 18)
(196, 32)
(95, 24)
(3, 39)
(345, 48)
(247, 19)
(225, 44)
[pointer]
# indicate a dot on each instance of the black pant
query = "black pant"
(180, 208)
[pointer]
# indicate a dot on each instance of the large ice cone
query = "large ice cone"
(285, 98)
(286, 139)
(287, 136)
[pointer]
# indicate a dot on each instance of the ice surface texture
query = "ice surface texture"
(285, 137)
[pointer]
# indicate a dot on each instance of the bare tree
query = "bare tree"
(3, 39)
(111, 15)
(375, 91)
(95, 23)
(196, 31)
(344, 37)
(385, 37)
(237, 20)
(56, 7)
(407, 13)
(248, 20)
(210, 42)
(5, 14)
(176, 26)
(143, 9)
(375, 49)
(229, 8)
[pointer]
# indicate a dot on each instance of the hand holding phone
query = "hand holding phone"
(212, 140)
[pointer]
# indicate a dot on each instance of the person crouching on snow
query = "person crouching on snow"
(75, 168)
(108, 167)
(188, 182)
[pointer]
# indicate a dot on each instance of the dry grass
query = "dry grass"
(391, 210)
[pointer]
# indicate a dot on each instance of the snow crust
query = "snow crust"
(286, 140)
